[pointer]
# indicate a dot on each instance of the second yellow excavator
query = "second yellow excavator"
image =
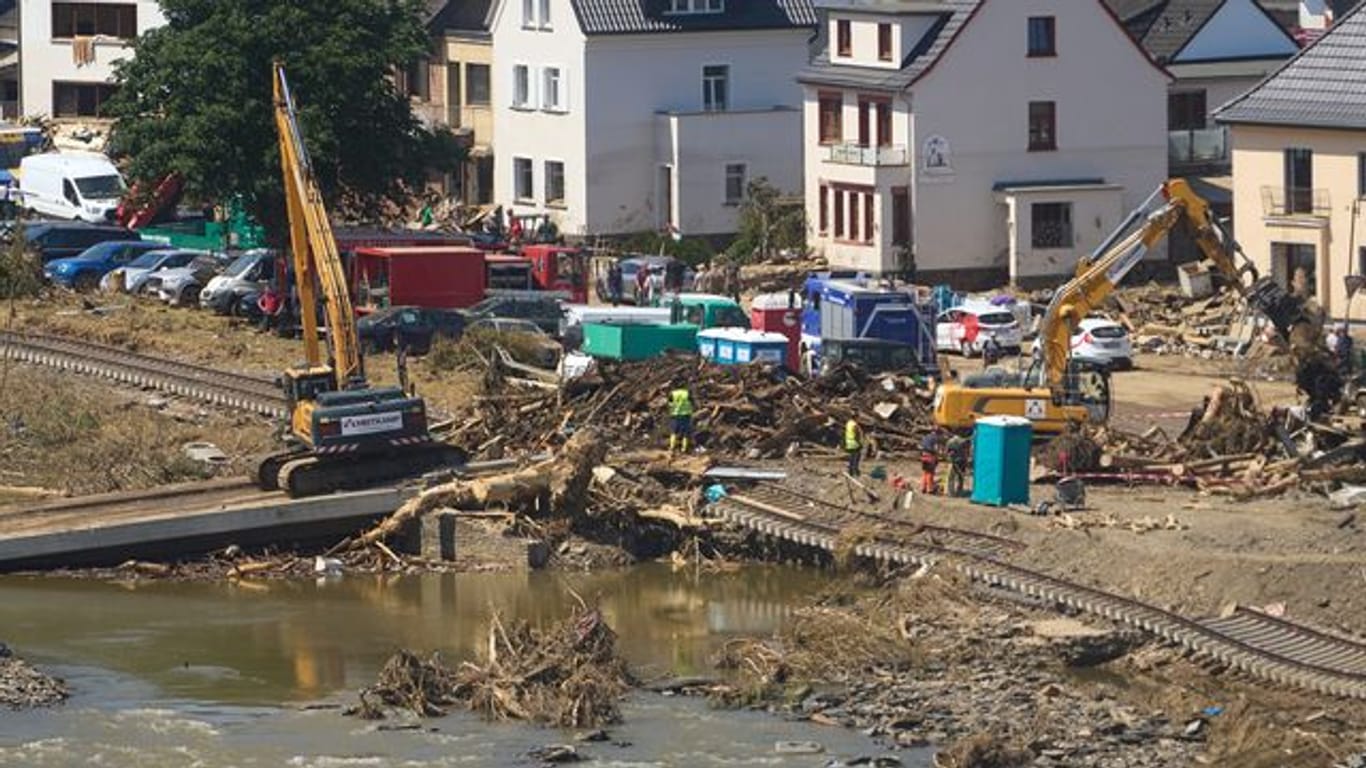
(1059, 390)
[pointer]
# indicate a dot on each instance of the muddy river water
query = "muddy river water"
(190, 674)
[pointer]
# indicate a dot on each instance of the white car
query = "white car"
(136, 273)
(1102, 341)
(965, 329)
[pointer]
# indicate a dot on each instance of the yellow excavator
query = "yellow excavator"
(342, 432)
(1059, 390)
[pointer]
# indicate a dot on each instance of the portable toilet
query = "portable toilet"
(780, 313)
(1000, 460)
(741, 346)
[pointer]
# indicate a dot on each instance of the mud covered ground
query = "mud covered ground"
(928, 659)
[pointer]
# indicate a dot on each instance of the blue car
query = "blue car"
(83, 271)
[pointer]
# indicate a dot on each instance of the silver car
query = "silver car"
(180, 286)
(135, 275)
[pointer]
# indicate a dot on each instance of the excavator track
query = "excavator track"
(306, 473)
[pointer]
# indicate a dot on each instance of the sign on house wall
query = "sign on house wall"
(936, 159)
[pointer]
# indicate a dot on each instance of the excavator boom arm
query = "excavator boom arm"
(316, 259)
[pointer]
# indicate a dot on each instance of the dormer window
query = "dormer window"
(844, 38)
(697, 6)
(884, 42)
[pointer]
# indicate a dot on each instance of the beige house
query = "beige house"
(977, 140)
(1299, 168)
(453, 87)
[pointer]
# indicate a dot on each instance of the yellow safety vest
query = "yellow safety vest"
(851, 442)
(680, 403)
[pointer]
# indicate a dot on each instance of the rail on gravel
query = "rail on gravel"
(1259, 645)
(223, 388)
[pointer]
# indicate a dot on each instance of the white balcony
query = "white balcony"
(854, 154)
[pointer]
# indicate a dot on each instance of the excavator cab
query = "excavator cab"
(1087, 384)
(302, 384)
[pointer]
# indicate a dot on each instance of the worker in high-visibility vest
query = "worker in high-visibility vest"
(680, 410)
(853, 444)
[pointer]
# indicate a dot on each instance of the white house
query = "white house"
(1214, 50)
(983, 139)
(617, 116)
(67, 51)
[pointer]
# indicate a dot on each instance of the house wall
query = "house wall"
(1258, 166)
(1111, 125)
(906, 32)
(44, 60)
(820, 170)
(699, 146)
(533, 132)
(1239, 29)
(634, 77)
(476, 117)
(1095, 212)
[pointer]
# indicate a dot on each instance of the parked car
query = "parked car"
(544, 310)
(63, 239)
(83, 271)
(71, 185)
(411, 328)
(180, 286)
(1100, 341)
(966, 328)
(547, 350)
(135, 275)
(249, 273)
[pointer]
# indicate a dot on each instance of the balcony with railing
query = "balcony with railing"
(1295, 203)
(1202, 147)
(854, 154)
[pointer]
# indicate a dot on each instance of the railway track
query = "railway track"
(224, 388)
(1259, 645)
(841, 516)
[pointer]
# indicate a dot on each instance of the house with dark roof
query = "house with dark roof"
(1299, 168)
(617, 116)
(976, 140)
(1214, 50)
(452, 86)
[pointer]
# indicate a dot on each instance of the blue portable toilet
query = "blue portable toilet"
(1000, 460)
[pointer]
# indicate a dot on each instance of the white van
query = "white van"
(71, 185)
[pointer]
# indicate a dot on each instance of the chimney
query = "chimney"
(1315, 15)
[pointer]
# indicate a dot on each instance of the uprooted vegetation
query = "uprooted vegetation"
(566, 675)
(748, 410)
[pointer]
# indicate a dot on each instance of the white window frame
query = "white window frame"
(527, 98)
(543, 19)
(744, 180)
(555, 202)
(517, 195)
(685, 7)
(561, 102)
(706, 88)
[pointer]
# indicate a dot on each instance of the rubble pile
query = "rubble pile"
(567, 675)
(1165, 322)
(742, 410)
(23, 687)
(1232, 447)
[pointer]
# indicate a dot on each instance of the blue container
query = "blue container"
(1000, 460)
(740, 346)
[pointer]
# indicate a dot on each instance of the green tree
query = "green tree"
(196, 98)
(769, 223)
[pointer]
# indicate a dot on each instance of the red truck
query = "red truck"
(444, 276)
(558, 268)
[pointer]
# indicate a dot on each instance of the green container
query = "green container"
(636, 341)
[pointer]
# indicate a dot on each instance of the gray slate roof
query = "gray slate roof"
(1323, 86)
(1163, 27)
(461, 15)
(918, 61)
(618, 17)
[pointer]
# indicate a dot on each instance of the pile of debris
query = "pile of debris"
(567, 675)
(1164, 321)
(22, 686)
(743, 410)
(1232, 447)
